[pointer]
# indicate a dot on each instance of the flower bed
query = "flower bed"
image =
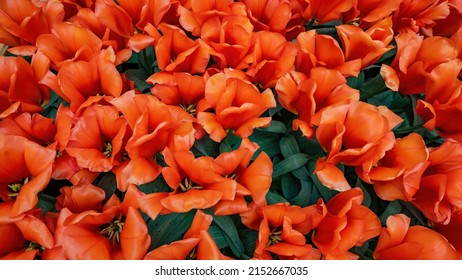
(218, 129)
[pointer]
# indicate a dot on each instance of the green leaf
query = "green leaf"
(356, 82)
(303, 197)
(289, 146)
(275, 127)
(394, 207)
(230, 233)
(289, 164)
(109, 184)
(139, 76)
(273, 198)
(218, 237)
(266, 141)
(147, 60)
(206, 147)
(249, 239)
(157, 185)
(168, 228)
(46, 203)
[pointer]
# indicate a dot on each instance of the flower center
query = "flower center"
(190, 109)
(113, 230)
(275, 237)
(16, 187)
(187, 185)
(107, 151)
(192, 255)
(35, 246)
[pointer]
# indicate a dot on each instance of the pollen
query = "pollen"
(187, 185)
(190, 109)
(107, 152)
(275, 237)
(113, 230)
(16, 187)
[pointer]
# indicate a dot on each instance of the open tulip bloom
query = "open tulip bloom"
(220, 129)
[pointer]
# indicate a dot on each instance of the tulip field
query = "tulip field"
(221, 130)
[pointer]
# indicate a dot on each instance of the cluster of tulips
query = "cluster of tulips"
(220, 129)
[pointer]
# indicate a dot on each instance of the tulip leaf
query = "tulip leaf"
(168, 228)
(249, 239)
(303, 197)
(157, 185)
(394, 207)
(206, 147)
(217, 234)
(412, 211)
(356, 82)
(289, 164)
(289, 146)
(266, 141)
(139, 76)
(275, 127)
(273, 198)
(108, 183)
(46, 203)
(230, 233)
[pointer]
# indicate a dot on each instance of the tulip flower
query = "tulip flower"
(196, 244)
(399, 241)
(239, 109)
(25, 171)
(356, 134)
(347, 224)
(281, 229)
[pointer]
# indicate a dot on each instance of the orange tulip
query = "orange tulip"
(452, 231)
(316, 50)
(68, 42)
(154, 126)
(272, 57)
(194, 181)
(20, 90)
(281, 16)
(193, 14)
(445, 26)
(238, 105)
(24, 237)
(23, 21)
(96, 138)
(80, 198)
(417, 58)
(252, 178)
(114, 233)
(356, 134)
(175, 52)
(369, 12)
(442, 100)
(25, 171)
(196, 244)
(399, 241)
(282, 228)
(322, 12)
(415, 14)
(34, 127)
(367, 45)
(347, 224)
(230, 39)
(181, 89)
(307, 96)
(396, 177)
(77, 81)
(439, 191)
